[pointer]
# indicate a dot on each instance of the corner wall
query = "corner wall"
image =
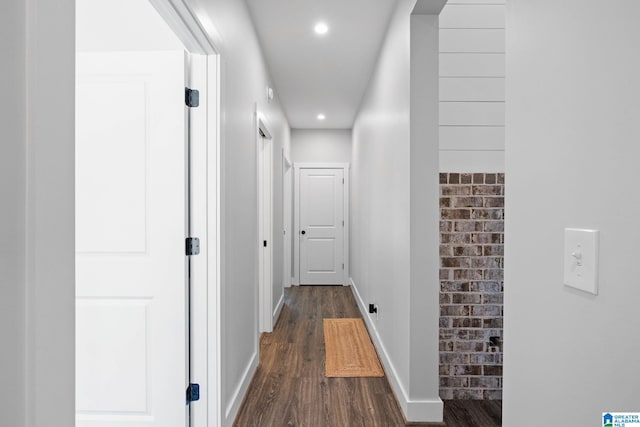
(12, 214)
(572, 161)
(394, 207)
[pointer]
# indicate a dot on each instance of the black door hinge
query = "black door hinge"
(192, 246)
(193, 393)
(191, 97)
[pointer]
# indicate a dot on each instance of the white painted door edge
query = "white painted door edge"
(190, 30)
(264, 244)
(295, 280)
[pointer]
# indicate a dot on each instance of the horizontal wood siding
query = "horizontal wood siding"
(471, 137)
(465, 40)
(472, 64)
(472, 89)
(472, 114)
(473, 16)
(472, 86)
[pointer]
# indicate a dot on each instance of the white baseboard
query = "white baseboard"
(413, 410)
(276, 312)
(235, 402)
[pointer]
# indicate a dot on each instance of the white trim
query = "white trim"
(214, 334)
(347, 221)
(187, 27)
(264, 146)
(346, 167)
(278, 309)
(287, 218)
(429, 410)
(232, 408)
(199, 123)
(295, 280)
(303, 165)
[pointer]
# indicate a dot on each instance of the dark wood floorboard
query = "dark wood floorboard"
(290, 389)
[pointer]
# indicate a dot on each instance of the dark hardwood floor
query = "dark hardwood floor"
(290, 389)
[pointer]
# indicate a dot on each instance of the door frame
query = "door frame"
(287, 220)
(264, 147)
(297, 166)
(205, 216)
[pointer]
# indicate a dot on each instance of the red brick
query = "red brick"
(466, 298)
(491, 214)
(469, 250)
(467, 202)
(467, 226)
(487, 190)
(454, 310)
(493, 202)
(465, 178)
(467, 370)
(454, 382)
(484, 382)
(493, 250)
(467, 322)
(455, 262)
(455, 214)
(452, 190)
(492, 370)
(467, 274)
(494, 226)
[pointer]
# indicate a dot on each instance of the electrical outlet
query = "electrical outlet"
(373, 308)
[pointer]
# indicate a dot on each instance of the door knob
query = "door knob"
(303, 232)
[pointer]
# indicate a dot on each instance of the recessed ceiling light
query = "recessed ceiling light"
(321, 116)
(321, 28)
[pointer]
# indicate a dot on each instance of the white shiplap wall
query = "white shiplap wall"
(472, 82)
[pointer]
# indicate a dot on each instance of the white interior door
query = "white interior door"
(265, 213)
(321, 198)
(130, 231)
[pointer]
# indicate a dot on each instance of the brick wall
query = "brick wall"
(471, 285)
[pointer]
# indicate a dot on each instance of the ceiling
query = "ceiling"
(321, 74)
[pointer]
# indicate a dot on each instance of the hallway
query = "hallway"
(290, 389)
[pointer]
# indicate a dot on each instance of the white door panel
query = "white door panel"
(130, 230)
(321, 201)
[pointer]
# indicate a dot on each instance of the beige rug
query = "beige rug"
(348, 350)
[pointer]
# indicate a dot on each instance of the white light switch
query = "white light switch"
(581, 259)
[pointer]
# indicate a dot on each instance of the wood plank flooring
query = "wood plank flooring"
(290, 389)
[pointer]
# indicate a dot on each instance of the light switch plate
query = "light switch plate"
(581, 258)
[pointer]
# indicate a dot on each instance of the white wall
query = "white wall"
(37, 225)
(321, 145)
(244, 79)
(12, 215)
(472, 87)
(572, 161)
(382, 209)
(116, 25)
